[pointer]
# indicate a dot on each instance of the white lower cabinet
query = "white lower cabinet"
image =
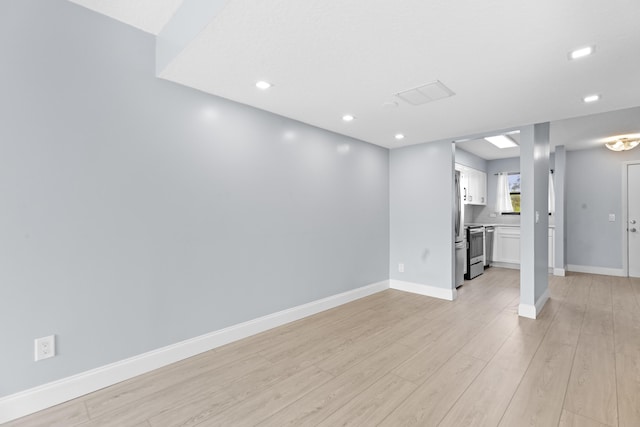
(506, 247)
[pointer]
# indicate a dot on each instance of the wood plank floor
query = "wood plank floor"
(396, 359)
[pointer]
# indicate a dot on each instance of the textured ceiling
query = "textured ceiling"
(505, 60)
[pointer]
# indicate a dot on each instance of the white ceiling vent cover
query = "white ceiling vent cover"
(426, 93)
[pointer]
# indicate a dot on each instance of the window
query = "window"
(513, 182)
(514, 191)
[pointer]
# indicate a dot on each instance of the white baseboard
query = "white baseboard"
(527, 310)
(554, 271)
(517, 267)
(596, 270)
(530, 310)
(430, 291)
(505, 265)
(45, 396)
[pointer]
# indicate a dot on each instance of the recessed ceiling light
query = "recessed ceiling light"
(348, 118)
(591, 98)
(582, 52)
(501, 141)
(263, 85)
(399, 136)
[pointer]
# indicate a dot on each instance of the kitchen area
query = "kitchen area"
(487, 233)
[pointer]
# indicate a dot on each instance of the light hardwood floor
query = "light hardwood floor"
(396, 359)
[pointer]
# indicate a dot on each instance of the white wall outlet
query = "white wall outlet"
(401, 268)
(45, 347)
(612, 217)
(493, 215)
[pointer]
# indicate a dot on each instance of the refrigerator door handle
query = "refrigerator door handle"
(458, 206)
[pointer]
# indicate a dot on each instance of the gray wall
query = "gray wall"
(470, 160)
(593, 180)
(593, 187)
(481, 214)
(421, 194)
(137, 213)
(534, 209)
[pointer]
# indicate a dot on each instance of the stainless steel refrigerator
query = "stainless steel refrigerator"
(460, 239)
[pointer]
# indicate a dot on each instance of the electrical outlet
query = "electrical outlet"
(45, 347)
(612, 217)
(401, 268)
(493, 215)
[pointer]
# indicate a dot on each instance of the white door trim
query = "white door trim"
(625, 216)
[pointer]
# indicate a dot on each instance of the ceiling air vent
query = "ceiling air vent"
(426, 93)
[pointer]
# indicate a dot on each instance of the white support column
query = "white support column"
(534, 219)
(559, 177)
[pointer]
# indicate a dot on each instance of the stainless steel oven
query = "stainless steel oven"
(475, 251)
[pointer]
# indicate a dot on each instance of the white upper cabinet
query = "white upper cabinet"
(478, 187)
(464, 183)
(474, 185)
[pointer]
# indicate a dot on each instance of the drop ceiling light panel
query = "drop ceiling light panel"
(427, 93)
(501, 141)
